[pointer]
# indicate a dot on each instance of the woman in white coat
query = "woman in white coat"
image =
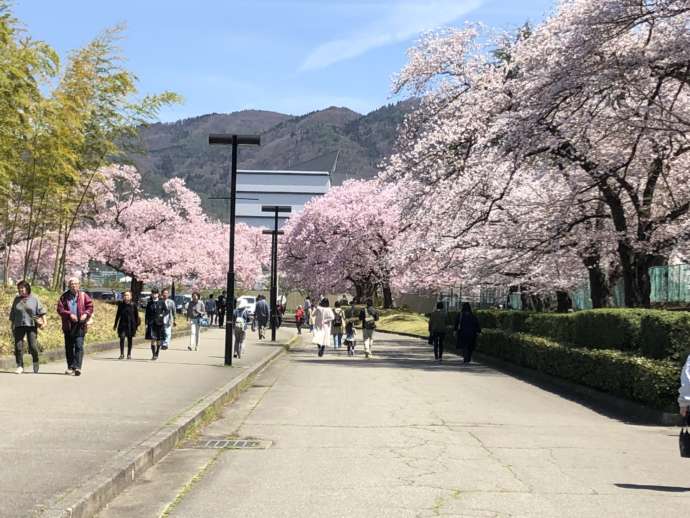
(323, 318)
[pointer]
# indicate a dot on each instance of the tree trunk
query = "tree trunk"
(564, 302)
(598, 283)
(136, 287)
(387, 295)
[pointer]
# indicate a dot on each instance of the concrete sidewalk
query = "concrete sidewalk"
(401, 435)
(58, 432)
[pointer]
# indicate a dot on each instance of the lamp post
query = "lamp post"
(274, 261)
(234, 141)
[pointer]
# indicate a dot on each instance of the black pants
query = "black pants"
(19, 334)
(468, 344)
(299, 327)
(124, 337)
(221, 318)
(74, 350)
(437, 339)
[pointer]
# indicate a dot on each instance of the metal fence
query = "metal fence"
(670, 283)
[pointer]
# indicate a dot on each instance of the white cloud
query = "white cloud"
(394, 23)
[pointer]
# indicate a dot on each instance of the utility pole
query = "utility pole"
(274, 261)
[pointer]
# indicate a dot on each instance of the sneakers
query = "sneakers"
(129, 356)
(19, 370)
(69, 372)
(164, 347)
(189, 347)
(77, 372)
(35, 367)
(122, 356)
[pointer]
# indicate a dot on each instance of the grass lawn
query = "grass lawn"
(403, 322)
(51, 337)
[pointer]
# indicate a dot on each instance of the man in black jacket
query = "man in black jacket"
(369, 316)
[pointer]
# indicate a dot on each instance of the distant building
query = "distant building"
(293, 187)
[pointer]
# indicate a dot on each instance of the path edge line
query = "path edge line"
(119, 473)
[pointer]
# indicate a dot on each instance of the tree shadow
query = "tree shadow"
(646, 487)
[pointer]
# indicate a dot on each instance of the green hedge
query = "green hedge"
(655, 334)
(651, 382)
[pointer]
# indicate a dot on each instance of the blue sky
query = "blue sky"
(282, 55)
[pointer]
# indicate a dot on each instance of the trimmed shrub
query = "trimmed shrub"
(665, 334)
(651, 382)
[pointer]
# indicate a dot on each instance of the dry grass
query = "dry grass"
(51, 336)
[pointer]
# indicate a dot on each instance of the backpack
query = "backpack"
(338, 320)
(369, 320)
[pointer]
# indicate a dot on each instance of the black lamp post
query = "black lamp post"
(274, 261)
(234, 141)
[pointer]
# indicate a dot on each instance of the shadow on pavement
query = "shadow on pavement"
(665, 489)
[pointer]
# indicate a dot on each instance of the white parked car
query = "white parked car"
(247, 301)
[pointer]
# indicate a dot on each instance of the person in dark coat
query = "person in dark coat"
(437, 331)
(467, 328)
(261, 314)
(156, 311)
(75, 308)
(127, 321)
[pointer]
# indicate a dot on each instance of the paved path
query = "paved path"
(58, 430)
(400, 435)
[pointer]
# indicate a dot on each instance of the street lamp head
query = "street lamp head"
(229, 139)
(276, 208)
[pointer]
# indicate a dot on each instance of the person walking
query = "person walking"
(467, 328)
(338, 324)
(127, 321)
(195, 312)
(169, 321)
(154, 319)
(323, 318)
(299, 319)
(684, 390)
(368, 316)
(221, 308)
(437, 330)
(27, 316)
(241, 321)
(210, 309)
(261, 315)
(308, 310)
(76, 311)
(350, 337)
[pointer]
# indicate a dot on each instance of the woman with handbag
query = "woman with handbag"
(127, 321)
(27, 316)
(323, 317)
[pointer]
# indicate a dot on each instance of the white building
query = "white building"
(291, 187)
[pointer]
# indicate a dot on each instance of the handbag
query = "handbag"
(684, 439)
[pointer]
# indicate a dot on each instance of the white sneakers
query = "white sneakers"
(19, 370)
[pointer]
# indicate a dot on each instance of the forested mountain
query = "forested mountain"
(181, 148)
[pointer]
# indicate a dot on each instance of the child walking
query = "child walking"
(350, 338)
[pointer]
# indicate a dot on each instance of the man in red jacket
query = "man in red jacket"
(75, 309)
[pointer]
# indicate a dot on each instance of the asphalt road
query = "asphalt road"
(400, 435)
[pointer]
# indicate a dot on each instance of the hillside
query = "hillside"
(181, 148)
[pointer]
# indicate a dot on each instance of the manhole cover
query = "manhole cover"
(232, 444)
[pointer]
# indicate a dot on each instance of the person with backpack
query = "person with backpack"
(154, 319)
(76, 311)
(195, 312)
(127, 321)
(261, 315)
(368, 316)
(337, 326)
(467, 328)
(437, 331)
(299, 319)
(323, 317)
(241, 320)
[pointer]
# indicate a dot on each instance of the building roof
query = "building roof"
(326, 162)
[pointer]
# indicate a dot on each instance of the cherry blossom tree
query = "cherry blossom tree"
(565, 145)
(343, 241)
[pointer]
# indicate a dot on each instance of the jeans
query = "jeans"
(31, 337)
(368, 335)
(437, 339)
(240, 335)
(74, 350)
(167, 330)
(195, 330)
(338, 340)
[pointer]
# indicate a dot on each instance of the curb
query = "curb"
(117, 474)
(623, 409)
(8, 362)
